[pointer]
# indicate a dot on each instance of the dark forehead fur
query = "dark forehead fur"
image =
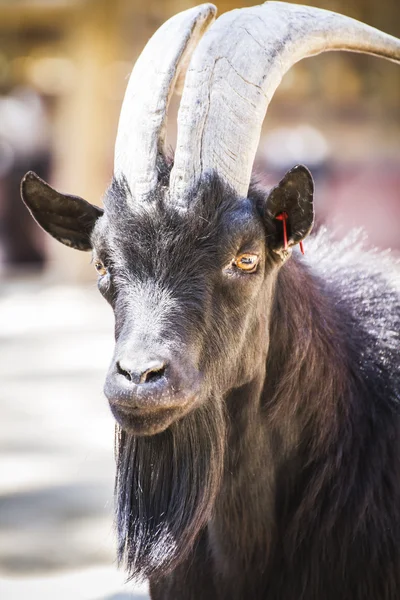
(159, 230)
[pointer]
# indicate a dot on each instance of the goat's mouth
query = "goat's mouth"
(148, 421)
(143, 413)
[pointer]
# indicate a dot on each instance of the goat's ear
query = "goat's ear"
(69, 219)
(292, 200)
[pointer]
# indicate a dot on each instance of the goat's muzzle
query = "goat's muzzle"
(148, 393)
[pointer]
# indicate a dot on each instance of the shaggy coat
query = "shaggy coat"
(261, 460)
(287, 487)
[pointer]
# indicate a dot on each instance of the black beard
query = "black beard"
(165, 488)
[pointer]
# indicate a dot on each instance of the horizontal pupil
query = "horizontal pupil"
(247, 260)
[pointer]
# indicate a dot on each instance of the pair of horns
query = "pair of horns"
(233, 70)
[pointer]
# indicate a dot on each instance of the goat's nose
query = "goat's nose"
(150, 372)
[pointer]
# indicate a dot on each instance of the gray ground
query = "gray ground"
(56, 446)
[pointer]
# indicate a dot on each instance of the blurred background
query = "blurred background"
(63, 70)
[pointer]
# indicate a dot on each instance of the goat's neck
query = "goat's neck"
(295, 395)
(307, 367)
(303, 381)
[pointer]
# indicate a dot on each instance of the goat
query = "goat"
(256, 393)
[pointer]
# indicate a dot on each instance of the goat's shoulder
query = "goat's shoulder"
(364, 285)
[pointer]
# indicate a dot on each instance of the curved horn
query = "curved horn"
(141, 128)
(233, 75)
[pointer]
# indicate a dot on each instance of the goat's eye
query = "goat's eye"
(100, 268)
(247, 262)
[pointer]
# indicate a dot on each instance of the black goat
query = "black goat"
(256, 394)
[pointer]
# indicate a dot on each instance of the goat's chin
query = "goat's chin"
(146, 424)
(142, 422)
(166, 486)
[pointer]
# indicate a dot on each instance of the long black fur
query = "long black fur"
(166, 487)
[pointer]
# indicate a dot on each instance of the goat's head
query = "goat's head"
(186, 256)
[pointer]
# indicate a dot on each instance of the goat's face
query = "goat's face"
(191, 290)
(186, 290)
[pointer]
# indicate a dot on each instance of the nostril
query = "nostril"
(123, 372)
(134, 374)
(153, 374)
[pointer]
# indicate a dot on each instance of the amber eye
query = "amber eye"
(247, 262)
(100, 268)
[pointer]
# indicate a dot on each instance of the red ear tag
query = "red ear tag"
(283, 217)
(302, 248)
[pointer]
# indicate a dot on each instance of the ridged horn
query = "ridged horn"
(141, 128)
(233, 75)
